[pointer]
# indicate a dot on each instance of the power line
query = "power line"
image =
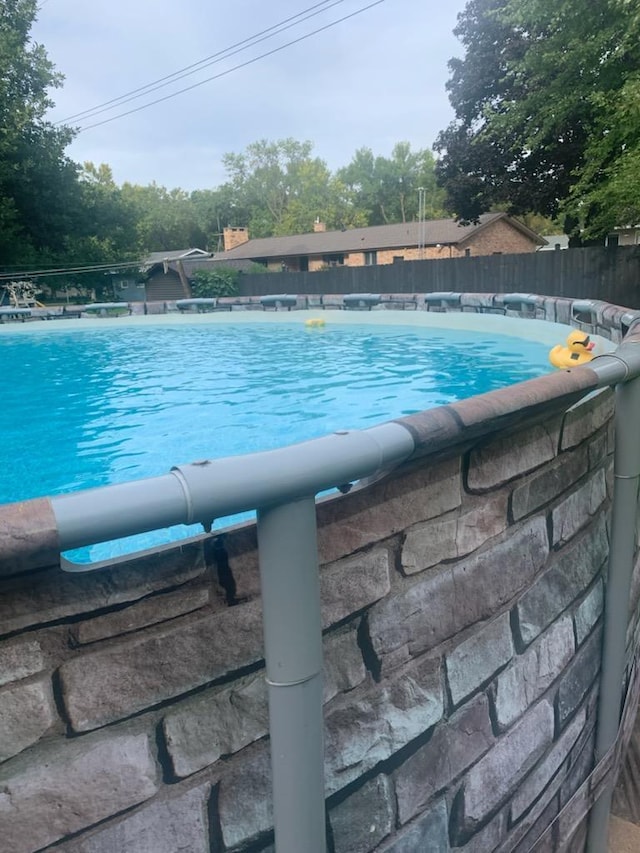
(214, 58)
(79, 270)
(234, 68)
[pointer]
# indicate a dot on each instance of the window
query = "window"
(370, 259)
(333, 260)
(467, 253)
(304, 264)
(398, 258)
(612, 241)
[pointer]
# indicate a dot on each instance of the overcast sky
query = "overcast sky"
(372, 80)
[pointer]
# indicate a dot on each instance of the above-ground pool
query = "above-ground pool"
(86, 407)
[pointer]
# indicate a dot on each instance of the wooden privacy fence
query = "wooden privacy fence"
(611, 274)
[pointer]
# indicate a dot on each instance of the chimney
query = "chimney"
(234, 237)
(319, 226)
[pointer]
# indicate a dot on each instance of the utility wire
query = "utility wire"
(189, 70)
(10, 276)
(233, 68)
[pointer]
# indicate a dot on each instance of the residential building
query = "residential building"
(494, 233)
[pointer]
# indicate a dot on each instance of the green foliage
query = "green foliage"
(279, 188)
(546, 103)
(38, 187)
(222, 281)
(386, 189)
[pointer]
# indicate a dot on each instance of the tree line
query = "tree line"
(547, 124)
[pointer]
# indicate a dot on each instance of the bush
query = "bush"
(219, 282)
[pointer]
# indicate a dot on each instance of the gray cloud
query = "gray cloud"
(372, 80)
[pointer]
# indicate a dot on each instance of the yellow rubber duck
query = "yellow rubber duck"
(577, 351)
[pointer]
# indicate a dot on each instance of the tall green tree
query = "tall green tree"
(38, 186)
(386, 188)
(544, 100)
(166, 219)
(280, 188)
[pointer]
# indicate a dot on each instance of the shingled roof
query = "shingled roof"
(402, 235)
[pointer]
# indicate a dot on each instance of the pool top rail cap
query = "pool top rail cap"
(200, 492)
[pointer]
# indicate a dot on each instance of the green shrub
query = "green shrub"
(219, 282)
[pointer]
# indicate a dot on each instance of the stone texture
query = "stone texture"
(452, 537)
(586, 417)
(223, 720)
(598, 450)
(568, 576)
(245, 806)
(344, 666)
(373, 723)
(545, 486)
(541, 776)
(535, 836)
(27, 711)
(67, 787)
(578, 508)
(507, 457)
(544, 397)
(454, 746)
(579, 677)
(134, 674)
(493, 778)
(488, 838)
(215, 723)
(477, 659)
(20, 659)
(365, 819)
(29, 536)
(588, 613)
(354, 583)
(174, 824)
(533, 672)
(428, 833)
(444, 602)
(51, 595)
(363, 517)
(150, 611)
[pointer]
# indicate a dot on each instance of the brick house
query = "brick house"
(494, 233)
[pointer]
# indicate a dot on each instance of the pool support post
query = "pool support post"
(282, 484)
(620, 567)
(287, 543)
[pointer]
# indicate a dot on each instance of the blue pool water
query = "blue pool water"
(89, 407)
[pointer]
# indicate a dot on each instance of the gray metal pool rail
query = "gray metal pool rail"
(282, 485)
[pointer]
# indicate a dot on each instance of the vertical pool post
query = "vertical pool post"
(288, 554)
(620, 571)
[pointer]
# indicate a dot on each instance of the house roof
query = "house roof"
(553, 240)
(174, 255)
(402, 235)
(192, 265)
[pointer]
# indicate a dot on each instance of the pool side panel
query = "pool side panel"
(461, 643)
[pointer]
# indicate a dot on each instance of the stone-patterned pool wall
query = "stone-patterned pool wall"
(461, 601)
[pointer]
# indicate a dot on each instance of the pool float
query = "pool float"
(577, 351)
(314, 322)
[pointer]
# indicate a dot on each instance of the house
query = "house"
(165, 276)
(628, 236)
(554, 242)
(494, 233)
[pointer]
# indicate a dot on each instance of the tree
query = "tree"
(166, 219)
(38, 187)
(543, 110)
(279, 188)
(386, 189)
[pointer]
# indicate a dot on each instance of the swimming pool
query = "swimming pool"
(88, 407)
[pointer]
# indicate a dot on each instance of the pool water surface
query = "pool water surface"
(90, 407)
